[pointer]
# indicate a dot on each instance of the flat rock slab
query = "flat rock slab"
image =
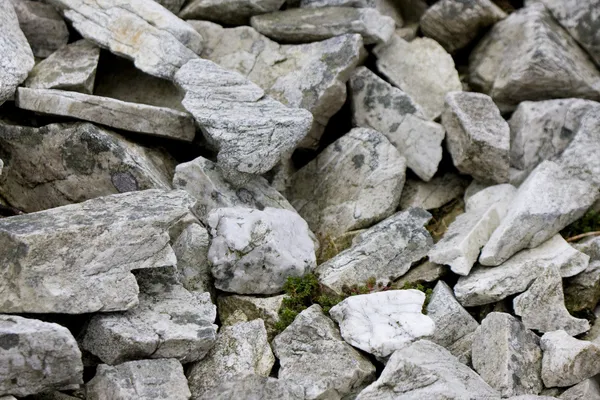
(251, 386)
(37, 357)
(439, 191)
(78, 257)
(230, 12)
(140, 118)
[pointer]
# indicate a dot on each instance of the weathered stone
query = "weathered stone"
(265, 308)
(474, 187)
(588, 389)
(255, 387)
(384, 252)
(79, 256)
(383, 322)
(582, 291)
(36, 356)
(461, 349)
(532, 397)
(422, 69)
(172, 5)
(426, 272)
(144, 379)
(385, 7)
(191, 250)
(312, 354)
(230, 12)
(439, 191)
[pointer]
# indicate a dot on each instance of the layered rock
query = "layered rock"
(231, 12)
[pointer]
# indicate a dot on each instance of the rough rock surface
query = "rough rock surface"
(588, 389)
(439, 191)
(255, 387)
(582, 291)
(234, 309)
(191, 249)
(426, 272)
(231, 12)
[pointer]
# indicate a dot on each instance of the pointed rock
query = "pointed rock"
(255, 387)
(230, 12)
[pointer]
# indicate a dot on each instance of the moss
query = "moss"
(590, 222)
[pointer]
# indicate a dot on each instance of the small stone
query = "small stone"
(461, 349)
(439, 191)
(265, 308)
(582, 291)
(588, 389)
(426, 272)
(230, 12)
(255, 387)
(172, 5)
(191, 250)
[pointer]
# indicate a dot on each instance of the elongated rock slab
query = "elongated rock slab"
(230, 12)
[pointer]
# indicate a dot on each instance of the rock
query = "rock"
(588, 389)
(240, 349)
(378, 105)
(252, 131)
(81, 161)
(155, 121)
(439, 191)
(303, 25)
(313, 355)
(542, 306)
(460, 245)
(157, 41)
(532, 397)
(461, 349)
(507, 355)
(191, 250)
(507, 63)
(230, 12)
(486, 285)
(352, 184)
(474, 187)
(17, 57)
(255, 387)
(73, 67)
(422, 69)
(336, 3)
(568, 361)
(582, 291)
(254, 252)
(383, 322)
(36, 356)
(42, 25)
(455, 24)
(91, 245)
(144, 379)
(265, 308)
(424, 370)
(172, 5)
(426, 272)
(384, 252)
(549, 200)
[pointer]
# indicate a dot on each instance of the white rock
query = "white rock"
(588, 389)
(231, 12)
(234, 309)
(255, 387)
(439, 191)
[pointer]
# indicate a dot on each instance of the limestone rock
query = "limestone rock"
(36, 356)
(255, 387)
(439, 191)
(582, 291)
(230, 12)
(191, 250)
(426, 272)
(588, 389)
(172, 5)
(265, 308)
(461, 349)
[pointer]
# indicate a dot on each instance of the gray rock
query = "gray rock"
(461, 349)
(230, 12)
(352, 184)
(144, 379)
(240, 349)
(568, 361)
(426, 272)
(582, 291)
(157, 41)
(507, 355)
(155, 121)
(384, 252)
(255, 387)
(172, 5)
(336, 3)
(439, 191)
(303, 25)
(36, 356)
(313, 355)
(234, 309)
(588, 389)
(422, 69)
(474, 187)
(191, 250)
(532, 397)
(378, 105)
(425, 370)
(73, 67)
(79, 256)
(80, 161)
(507, 63)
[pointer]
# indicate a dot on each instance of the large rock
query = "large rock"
(79, 256)
(255, 387)
(312, 354)
(234, 309)
(384, 252)
(439, 191)
(230, 12)
(378, 105)
(422, 69)
(36, 357)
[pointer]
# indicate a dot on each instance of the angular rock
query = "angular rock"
(439, 191)
(313, 355)
(144, 379)
(234, 309)
(352, 184)
(422, 69)
(425, 370)
(461, 349)
(384, 252)
(426, 272)
(172, 5)
(191, 250)
(507, 355)
(255, 387)
(240, 349)
(568, 361)
(588, 389)
(81, 161)
(378, 105)
(582, 291)
(383, 322)
(36, 356)
(79, 256)
(230, 12)
(303, 25)
(336, 3)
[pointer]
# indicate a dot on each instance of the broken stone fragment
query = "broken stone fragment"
(172, 5)
(234, 309)
(589, 389)
(385, 7)
(193, 268)
(439, 191)
(582, 291)
(426, 272)
(251, 386)
(461, 349)
(230, 12)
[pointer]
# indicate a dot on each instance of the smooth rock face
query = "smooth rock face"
(454, 24)
(549, 200)
(378, 105)
(36, 356)
(81, 161)
(303, 25)
(353, 183)
(568, 361)
(144, 379)
(312, 354)
(17, 57)
(588, 389)
(240, 349)
(73, 68)
(383, 322)
(255, 251)
(385, 252)
(422, 69)
(424, 370)
(91, 245)
(157, 41)
(439, 191)
(230, 12)
(507, 63)
(234, 309)
(255, 387)
(191, 250)
(507, 355)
